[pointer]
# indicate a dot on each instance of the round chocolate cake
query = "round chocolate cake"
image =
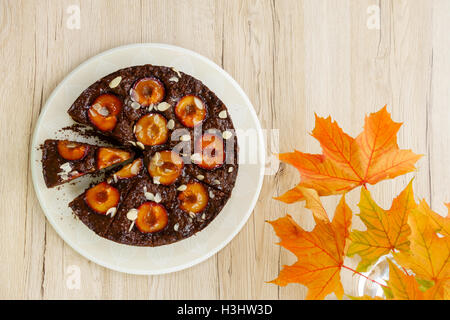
(176, 147)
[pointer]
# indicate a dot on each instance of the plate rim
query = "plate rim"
(210, 253)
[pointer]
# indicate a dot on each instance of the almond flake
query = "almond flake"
(177, 72)
(211, 194)
(203, 216)
(182, 187)
(156, 180)
(135, 105)
(109, 180)
(185, 137)
(163, 106)
(176, 226)
(145, 189)
(158, 197)
(135, 168)
(227, 135)
(132, 214)
(200, 177)
(150, 107)
(215, 182)
(101, 110)
(170, 124)
(115, 178)
(149, 196)
(140, 145)
(131, 226)
(230, 169)
(66, 167)
(173, 79)
(115, 82)
(198, 103)
(197, 157)
(191, 214)
(132, 143)
(111, 211)
(74, 173)
(64, 177)
(223, 114)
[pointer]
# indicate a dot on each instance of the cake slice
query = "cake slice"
(98, 205)
(64, 161)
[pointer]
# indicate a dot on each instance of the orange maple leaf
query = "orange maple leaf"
(320, 253)
(346, 162)
(386, 230)
(429, 256)
(440, 224)
(403, 286)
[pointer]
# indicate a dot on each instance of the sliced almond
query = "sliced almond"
(135, 105)
(131, 226)
(200, 177)
(74, 173)
(211, 194)
(198, 103)
(132, 214)
(163, 106)
(115, 82)
(135, 168)
(203, 216)
(132, 143)
(223, 114)
(67, 167)
(191, 214)
(185, 137)
(230, 169)
(150, 107)
(140, 145)
(170, 124)
(111, 211)
(149, 196)
(176, 226)
(173, 79)
(197, 157)
(156, 180)
(177, 72)
(182, 187)
(215, 182)
(227, 134)
(158, 197)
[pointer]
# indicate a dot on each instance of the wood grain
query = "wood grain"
(292, 58)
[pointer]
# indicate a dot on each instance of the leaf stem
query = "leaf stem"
(360, 274)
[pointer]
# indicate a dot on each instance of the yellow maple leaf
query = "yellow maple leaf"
(429, 256)
(320, 253)
(403, 286)
(347, 163)
(386, 230)
(441, 224)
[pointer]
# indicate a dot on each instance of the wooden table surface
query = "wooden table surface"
(292, 58)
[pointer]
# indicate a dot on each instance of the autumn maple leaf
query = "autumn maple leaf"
(403, 286)
(346, 162)
(320, 253)
(429, 256)
(440, 224)
(386, 230)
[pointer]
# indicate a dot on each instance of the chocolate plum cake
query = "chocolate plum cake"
(182, 163)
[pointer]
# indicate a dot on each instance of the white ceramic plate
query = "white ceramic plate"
(173, 257)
